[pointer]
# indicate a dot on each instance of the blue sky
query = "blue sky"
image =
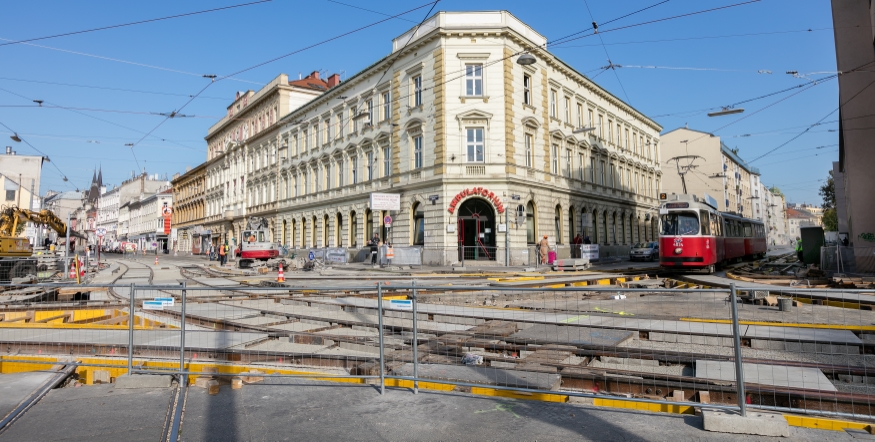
(704, 61)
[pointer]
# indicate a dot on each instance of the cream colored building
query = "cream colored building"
(480, 149)
(720, 172)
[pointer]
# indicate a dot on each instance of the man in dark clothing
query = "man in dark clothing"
(374, 245)
(587, 240)
(576, 243)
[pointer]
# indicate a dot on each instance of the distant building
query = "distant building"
(107, 214)
(188, 211)
(64, 205)
(798, 217)
(146, 221)
(720, 172)
(26, 169)
(776, 208)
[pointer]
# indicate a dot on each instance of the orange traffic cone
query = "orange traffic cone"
(156, 259)
(280, 277)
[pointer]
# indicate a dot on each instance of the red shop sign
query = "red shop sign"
(476, 191)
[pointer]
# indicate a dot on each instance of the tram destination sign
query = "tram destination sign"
(385, 201)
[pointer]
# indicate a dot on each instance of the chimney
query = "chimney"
(8, 150)
(333, 80)
(313, 75)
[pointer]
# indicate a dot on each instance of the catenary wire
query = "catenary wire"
(114, 89)
(24, 140)
(151, 20)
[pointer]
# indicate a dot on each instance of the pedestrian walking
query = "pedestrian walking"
(544, 247)
(223, 250)
(374, 246)
(575, 250)
(799, 249)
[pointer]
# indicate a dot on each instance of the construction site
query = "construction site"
(623, 335)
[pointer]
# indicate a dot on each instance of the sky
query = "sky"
(103, 90)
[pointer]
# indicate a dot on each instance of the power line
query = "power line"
(824, 117)
(107, 88)
(24, 140)
(700, 38)
(133, 63)
(151, 20)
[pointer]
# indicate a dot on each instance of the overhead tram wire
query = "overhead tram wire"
(700, 38)
(217, 79)
(151, 20)
(86, 86)
(97, 118)
(824, 117)
(24, 140)
(132, 63)
(610, 62)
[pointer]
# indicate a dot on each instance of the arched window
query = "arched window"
(353, 229)
(572, 226)
(557, 221)
(595, 220)
(418, 216)
(324, 230)
(338, 231)
(531, 232)
(369, 225)
(283, 238)
(313, 232)
(294, 240)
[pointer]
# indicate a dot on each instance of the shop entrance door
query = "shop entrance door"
(476, 231)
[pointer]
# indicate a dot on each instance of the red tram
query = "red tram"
(695, 236)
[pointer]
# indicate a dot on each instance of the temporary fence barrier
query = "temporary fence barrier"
(795, 349)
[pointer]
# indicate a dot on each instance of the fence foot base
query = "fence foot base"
(759, 423)
(143, 381)
(459, 269)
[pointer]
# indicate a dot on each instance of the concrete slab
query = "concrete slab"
(95, 413)
(483, 375)
(16, 387)
(143, 381)
(573, 335)
(758, 423)
(777, 375)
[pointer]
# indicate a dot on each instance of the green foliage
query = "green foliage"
(776, 191)
(828, 193)
(830, 220)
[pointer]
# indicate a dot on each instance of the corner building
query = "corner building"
(480, 149)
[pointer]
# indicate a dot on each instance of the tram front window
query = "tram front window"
(680, 223)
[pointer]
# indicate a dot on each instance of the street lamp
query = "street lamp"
(15, 138)
(726, 111)
(526, 60)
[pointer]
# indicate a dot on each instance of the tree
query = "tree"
(830, 220)
(828, 193)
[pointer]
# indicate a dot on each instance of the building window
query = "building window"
(327, 131)
(530, 151)
(610, 131)
(601, 126)
(531, 233)
(592, 164)
(554, 160)
(604, 166)
(340, 172)
(527, 89)
(614, 178)
(10, 195)
(354, 162)
(568, 163)
(554, 105)
(417, 152)
(306, 141)
(474, 80)
(370, 165)
(568, 110)
(474, 145)
(387, 106)
(340, 125)
(580, 166)
(417, 90)
(370, 113)
(418, 225)
(619, 134)
(353, 121)
(579, 115)
(387, 155)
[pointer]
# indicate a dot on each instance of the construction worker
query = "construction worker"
(799, 249)
(223, 254)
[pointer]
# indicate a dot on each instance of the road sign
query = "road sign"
(101, 232)
(387, 220)
(167, 301)
(153, 305)
(167, 211)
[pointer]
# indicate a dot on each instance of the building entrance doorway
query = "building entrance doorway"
(476, 231)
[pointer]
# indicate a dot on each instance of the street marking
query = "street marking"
(574, 319)
(501, 407)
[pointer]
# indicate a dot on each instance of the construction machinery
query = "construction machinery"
(256, 244)
(15, 250)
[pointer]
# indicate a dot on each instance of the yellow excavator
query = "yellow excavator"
(13, 248)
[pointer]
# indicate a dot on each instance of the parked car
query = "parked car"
(645, 251)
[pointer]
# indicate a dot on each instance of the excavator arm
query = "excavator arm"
(11, 217)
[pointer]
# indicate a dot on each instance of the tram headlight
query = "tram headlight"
(678, 250)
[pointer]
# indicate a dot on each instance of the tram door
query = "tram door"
(476, 231)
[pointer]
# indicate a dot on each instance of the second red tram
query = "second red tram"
(694, 235)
